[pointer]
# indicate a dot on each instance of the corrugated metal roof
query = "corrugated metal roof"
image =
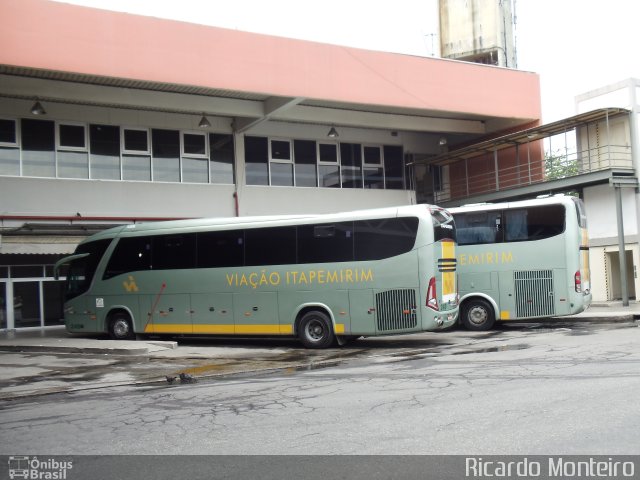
(128, 83)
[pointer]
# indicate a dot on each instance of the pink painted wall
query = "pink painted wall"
(56, 36)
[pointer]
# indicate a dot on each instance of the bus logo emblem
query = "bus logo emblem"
(130, 285)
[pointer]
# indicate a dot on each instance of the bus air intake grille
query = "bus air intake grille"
(534, 293)
(396, 310)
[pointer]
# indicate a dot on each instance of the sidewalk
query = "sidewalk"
(57, 339)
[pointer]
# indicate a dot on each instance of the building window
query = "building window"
(9, 151)
(221, 160)
(72, 151)
(195, 163)
(72, 137)
(8, 134)
(328, 165)
(304, 153)
(393, 167)
(281, 163)
(165, 146)
(372, 168)
(194, 144)
(136, 157)
(38, 148)
(256, 151)
(351, 162)
(135, 141)
(136, 167)
(104, 145)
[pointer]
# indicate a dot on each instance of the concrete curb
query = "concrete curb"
(606, 318)
(66, 349)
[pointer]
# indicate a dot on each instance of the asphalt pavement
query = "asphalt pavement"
(26, 356)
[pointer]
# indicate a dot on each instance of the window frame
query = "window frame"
(366, 166)
(193, 155)
(17, 134)
(324, 162)
(295, 161)
(123, 149)
(67, 148)
(364, 158)
(320, 163)
(281, 161)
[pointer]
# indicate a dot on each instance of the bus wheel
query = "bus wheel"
(120, 327)
(477, 315)
(315, 330)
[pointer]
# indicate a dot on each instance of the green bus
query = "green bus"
(522, 260)
(323, 278)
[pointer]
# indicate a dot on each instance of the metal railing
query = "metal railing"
(556, 165)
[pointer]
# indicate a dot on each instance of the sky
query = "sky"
(574, 45)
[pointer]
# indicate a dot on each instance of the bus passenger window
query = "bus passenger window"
(385, 238)
(478, 227)
(224, 248)
(131, 254)
(270, 246)
(534, 223)
(325, 243)
(174, 251)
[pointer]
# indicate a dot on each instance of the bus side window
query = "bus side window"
(270, 246)
(224, 248)
(534, 223)
(174, 251)
(479, 227)
(132, 254)
(385, 238)
(325, 243)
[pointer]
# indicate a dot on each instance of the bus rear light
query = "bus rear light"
(432, 296)
(577, 279)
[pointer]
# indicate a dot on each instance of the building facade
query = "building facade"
(613, 274)
(109, 118)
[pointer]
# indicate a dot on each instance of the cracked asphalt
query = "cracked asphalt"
(529, 389)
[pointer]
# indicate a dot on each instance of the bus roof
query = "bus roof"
(547, 200)
(224, 223)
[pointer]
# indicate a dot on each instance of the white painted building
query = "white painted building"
(600, 202)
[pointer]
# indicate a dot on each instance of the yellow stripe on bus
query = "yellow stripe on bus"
(448, 278)
(213, 329)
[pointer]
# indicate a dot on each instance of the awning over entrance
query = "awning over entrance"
(38, 245)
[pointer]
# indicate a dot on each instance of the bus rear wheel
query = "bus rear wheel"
(120, 327)
(315, 330)
(477, 315)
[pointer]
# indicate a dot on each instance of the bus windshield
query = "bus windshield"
(83, 268)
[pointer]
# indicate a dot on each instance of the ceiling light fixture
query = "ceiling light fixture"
(333, 133)
(204, 122)
(38, 109)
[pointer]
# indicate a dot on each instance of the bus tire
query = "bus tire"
(315, 330)
(477, 315)
(120, 327)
